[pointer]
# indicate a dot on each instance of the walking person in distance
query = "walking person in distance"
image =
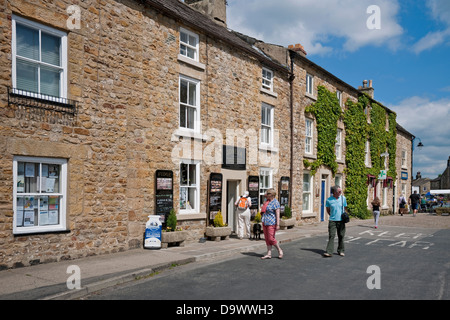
(335, 205)
(376, 210)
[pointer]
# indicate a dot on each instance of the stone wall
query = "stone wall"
(126, 85)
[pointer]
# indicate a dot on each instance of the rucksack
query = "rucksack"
(242, 203)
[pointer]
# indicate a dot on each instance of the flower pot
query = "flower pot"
(287, 223)
(219, 233)
(175, 238)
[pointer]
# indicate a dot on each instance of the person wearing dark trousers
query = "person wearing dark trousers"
(336, 204)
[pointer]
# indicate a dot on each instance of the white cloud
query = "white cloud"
(315, 24)
(440, 11)
(429, 121)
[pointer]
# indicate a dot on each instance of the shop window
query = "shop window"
(40, 194)
(189, 187)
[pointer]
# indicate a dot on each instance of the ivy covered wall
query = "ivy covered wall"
(380, 131)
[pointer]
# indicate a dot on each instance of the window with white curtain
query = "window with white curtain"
(307, 192)
(39, 59)
(308, 136)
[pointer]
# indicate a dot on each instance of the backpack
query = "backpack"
(242, 203)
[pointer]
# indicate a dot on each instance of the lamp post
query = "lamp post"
(420, 145)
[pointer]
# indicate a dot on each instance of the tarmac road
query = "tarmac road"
(392, 262)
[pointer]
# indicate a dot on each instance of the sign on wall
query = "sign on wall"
(215, 195)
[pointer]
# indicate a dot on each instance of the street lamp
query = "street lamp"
(419, 146)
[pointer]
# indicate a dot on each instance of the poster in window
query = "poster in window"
(163, 194)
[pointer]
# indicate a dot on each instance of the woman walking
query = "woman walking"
(271, 223)
(376, 210)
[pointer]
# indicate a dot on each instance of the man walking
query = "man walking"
(414, 201)
(335, 205)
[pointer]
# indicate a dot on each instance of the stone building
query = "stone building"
(442, 182)
(115, 110)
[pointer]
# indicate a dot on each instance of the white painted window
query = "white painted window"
(189, 186)
(339, 96)
(39, 60)
(189, 103)
(404, 155)
(309, 84)
(309, 136)
(39, 194)
(267, 79)
(189, 44)
(265, 182)
(267, 124)
(338, 145)
(307, 192)
(367, 161)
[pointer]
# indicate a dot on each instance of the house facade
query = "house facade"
(114, 111)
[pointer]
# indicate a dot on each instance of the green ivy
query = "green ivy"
(327, 112)
(358, 131)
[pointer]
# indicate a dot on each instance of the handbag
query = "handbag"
(344, 217)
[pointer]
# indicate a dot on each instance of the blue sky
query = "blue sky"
(407, 57)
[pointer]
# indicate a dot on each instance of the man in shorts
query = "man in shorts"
(414, 201)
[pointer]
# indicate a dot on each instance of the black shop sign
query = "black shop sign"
(163, 193)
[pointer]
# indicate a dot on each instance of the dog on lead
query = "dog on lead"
(257, 231)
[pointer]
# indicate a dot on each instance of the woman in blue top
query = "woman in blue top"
(271, 223)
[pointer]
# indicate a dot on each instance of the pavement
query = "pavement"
(53, 281)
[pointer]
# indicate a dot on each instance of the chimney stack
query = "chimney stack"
(214, 9)
(367, 89)
(298, 48)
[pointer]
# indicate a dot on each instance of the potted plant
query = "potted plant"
(219, 231)
(172, 235)
(286, 221)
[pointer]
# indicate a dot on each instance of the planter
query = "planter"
(219, 233)
(287, 223)
(175, 238)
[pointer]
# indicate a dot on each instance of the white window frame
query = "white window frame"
(404, 158)
(195, 187)
(195, 106)
(367, 161)
(309, 136)
(267, 115)
(61, 226)
(187, 45)
(309, 84)
(265, 172)
(267, 79)
(308, 193)
(63, 55)
(339, 96)
(338, 145)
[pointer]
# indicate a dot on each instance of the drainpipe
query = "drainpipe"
(291, 84)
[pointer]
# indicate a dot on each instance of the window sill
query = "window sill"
(311, 96)
(190, 134)
(191, 62)
(266, 147)
(269, 92)
(308, 214)
(190, 216)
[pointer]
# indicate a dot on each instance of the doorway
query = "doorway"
(232, 194)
